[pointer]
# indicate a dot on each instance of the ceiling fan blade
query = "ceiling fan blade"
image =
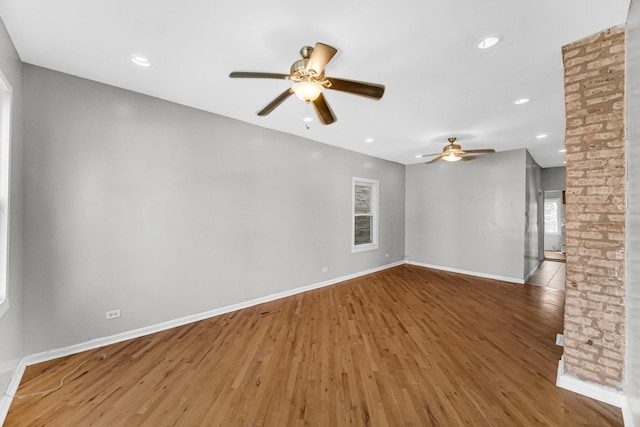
(254, 75)
(320, 57)
(429, 155)
(324, 111)
(370, 90)
(468, 157)
(483, 150)
(435, 160)
(273, 104)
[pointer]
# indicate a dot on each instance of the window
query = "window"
(364, 234)
(5, 136)
(552, 216)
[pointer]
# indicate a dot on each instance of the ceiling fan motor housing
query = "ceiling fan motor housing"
(455, 148)
(299, 67)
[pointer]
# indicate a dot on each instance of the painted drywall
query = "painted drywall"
(553, 178)
(11, 344)
(632, 363)
(468, 215)
(163, 211)
(533, 216)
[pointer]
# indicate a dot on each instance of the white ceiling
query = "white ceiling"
(438, 84)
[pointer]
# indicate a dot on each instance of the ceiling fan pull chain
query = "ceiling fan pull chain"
(308, 117)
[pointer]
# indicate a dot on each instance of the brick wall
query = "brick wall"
(595, 207)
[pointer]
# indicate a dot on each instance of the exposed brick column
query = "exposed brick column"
(594, 328)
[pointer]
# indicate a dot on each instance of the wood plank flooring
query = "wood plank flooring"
(405, 346)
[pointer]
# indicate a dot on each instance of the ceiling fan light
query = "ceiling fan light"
(307, 91)
(451, 157)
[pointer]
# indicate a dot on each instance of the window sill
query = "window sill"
(364, 248)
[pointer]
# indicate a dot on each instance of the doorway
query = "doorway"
(554, 235)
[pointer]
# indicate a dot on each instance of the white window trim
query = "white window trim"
(375, 192)
(558, 203)
(5, 174)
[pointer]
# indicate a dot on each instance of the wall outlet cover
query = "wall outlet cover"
(112, 314)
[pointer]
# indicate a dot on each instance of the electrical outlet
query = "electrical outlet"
(325, 269)
(112, 314)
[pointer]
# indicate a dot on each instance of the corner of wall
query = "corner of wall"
(11, 323)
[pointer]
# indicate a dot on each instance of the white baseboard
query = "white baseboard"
(5, 402)
(468, 273)
(8, 371)
(32, 359)
(599, 392)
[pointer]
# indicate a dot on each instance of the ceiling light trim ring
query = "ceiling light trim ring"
(489, 41)
(140, 60)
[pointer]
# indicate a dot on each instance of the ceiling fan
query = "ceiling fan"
(310, 81)
(454, 152)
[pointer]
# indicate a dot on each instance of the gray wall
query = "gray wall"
(553, 178)
(533, 214)
(164, 211)
(632, 365)
(468, 215)
(11, 322)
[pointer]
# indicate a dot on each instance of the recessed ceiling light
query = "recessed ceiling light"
(418, 156)
(307, 119)
(489, 41)
(542, 135)
(521, 101)
(140, 60)
(564, 150)
(368, 140)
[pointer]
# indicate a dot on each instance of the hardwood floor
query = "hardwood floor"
(405, 346)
